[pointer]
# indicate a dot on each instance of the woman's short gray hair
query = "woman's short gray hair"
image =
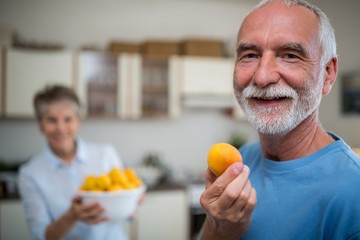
(54, 94)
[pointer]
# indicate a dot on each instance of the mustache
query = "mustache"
(271, 91)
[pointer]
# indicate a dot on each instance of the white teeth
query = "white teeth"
(268, 98)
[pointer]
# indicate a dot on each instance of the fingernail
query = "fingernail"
(238, 167)
(246, 168)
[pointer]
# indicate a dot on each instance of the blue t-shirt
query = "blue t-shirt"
(315, 197)
(47, 186)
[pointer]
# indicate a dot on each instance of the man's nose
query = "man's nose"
(267, 71)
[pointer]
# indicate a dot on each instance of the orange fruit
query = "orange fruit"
(103, 182)
(113, 188)
(114, 175)
(221, 156)
(89, 183)
(130, 174)
(115, 180)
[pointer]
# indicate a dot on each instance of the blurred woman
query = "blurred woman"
(49, 181)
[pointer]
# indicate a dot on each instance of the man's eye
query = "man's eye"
(290, 56)
(250, 55)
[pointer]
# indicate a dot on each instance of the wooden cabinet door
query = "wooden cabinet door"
(12, 220)
(207, 82)
(130, 97)
(207, 76)
(160, 92)
(164, 215)
(109, 84)
(97, 84)
(27, 72)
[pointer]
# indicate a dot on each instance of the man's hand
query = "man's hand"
(228, 201)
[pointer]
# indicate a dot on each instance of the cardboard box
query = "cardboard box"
(124, 47)
(160, 48)
(203, 48)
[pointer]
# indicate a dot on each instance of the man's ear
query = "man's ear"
(331, 70)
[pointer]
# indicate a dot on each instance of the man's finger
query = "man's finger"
(216, 189)
(236, 191)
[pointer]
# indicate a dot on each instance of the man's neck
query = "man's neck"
(307, 138)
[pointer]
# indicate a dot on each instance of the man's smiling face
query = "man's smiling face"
(278, 79)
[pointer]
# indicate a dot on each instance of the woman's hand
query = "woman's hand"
(228, 201)
(135, 213)
(87, 212)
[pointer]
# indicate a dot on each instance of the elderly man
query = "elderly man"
(299, 181)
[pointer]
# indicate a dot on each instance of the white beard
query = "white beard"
(278, 121)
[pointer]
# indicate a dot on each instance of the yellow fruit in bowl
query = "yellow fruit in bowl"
(114, 174)
(113, 188)
(118, 192)
(103, 182)
(115, 180)
(89, 184)
(221, 156)
(131, 174)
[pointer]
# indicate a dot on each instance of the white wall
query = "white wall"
(345, 18)
(80, 22)
(182, 142)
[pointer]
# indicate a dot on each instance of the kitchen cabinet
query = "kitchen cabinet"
(160, 91)
(109, 84)
(98, 83)
(126, 86)
(118, 86)
(28, 71)
(206, 82)
(164, 215)
(12, 221)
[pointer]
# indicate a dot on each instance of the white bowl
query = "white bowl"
(118, 205)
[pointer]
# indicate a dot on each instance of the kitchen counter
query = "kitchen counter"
(8, 185)
(6, 197)
(166, 185)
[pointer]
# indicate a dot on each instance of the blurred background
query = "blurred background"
(154, 78)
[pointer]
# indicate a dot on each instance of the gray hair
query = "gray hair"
(54, 94)
(326, 36)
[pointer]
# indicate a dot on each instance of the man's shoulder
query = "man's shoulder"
(251, 147)
(251, 151)
(344, 159)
